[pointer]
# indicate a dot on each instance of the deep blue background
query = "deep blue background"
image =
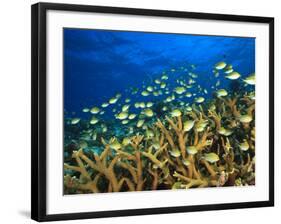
(100, 63)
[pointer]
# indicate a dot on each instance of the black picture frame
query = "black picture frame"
(39, 122)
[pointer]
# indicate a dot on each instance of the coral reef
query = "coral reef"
(211, 145)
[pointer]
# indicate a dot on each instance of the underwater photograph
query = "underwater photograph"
(157, 111)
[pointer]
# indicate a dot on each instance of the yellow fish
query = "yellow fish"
(104, 105)
(157, 81)
(126, 141)
(95, 110)
(245, 118)
(85, 110)
(132, 116)
(191, 150)
(211, 157)
(149, 89)
(148, 112)
(244, 146)
(250, 80)
(113, 100)
(142, 105)
(199, 99)
(175, 153)
(125, 121)
(122, 115)
(221, 92)
(145, 93)
(75, 121)
(220, 65)
(188, 125)
(140, 123)
(149, 104)
(176, 113)
(179, 90)
(125, 107)
(186, 162)
(94, 120)
(115, 145)
(233, 75)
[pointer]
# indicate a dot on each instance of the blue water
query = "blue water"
(99, 63)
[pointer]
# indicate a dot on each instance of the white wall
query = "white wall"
(15, 108)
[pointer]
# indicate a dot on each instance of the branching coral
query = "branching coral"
(217, 150)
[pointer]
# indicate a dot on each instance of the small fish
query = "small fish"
(211, 157)
(137, 105)
(125, 121)
(149, 104)
(188, 125)
(245, 118)
(113, 100)
(176, 113)
(218, 83)
(228, 70)
(95, 110)
(179, 90)
(220, 65)
(164, 77)
(163, 85)
(105, 105)
(140, 123)
(94, 120)
(244, 146)
(201, 125)
(148, 112)
(233, 75)
(94, 136)
(122, 115)
(221, 92)
(225, 132)
(155, 93)
(149, 89)
(149, 134)
(156, 144)
(83, 144)
(199, 99)
(157, 81)
(250, 80)
(132, 116)
(127, 100)
(125, 107)
(115, 145)
(212, 107)
(75, 121)
(85, 110)
(191, 150)
(165, 108)
(186, 162)
(145, 93)
(175, 153)
(142, 105)
(188, 108)
(126, 141)
(188, 94)
(104, 129)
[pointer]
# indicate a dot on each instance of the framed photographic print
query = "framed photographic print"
(139, 111)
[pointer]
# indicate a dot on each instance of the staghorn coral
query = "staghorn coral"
(219, 150)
